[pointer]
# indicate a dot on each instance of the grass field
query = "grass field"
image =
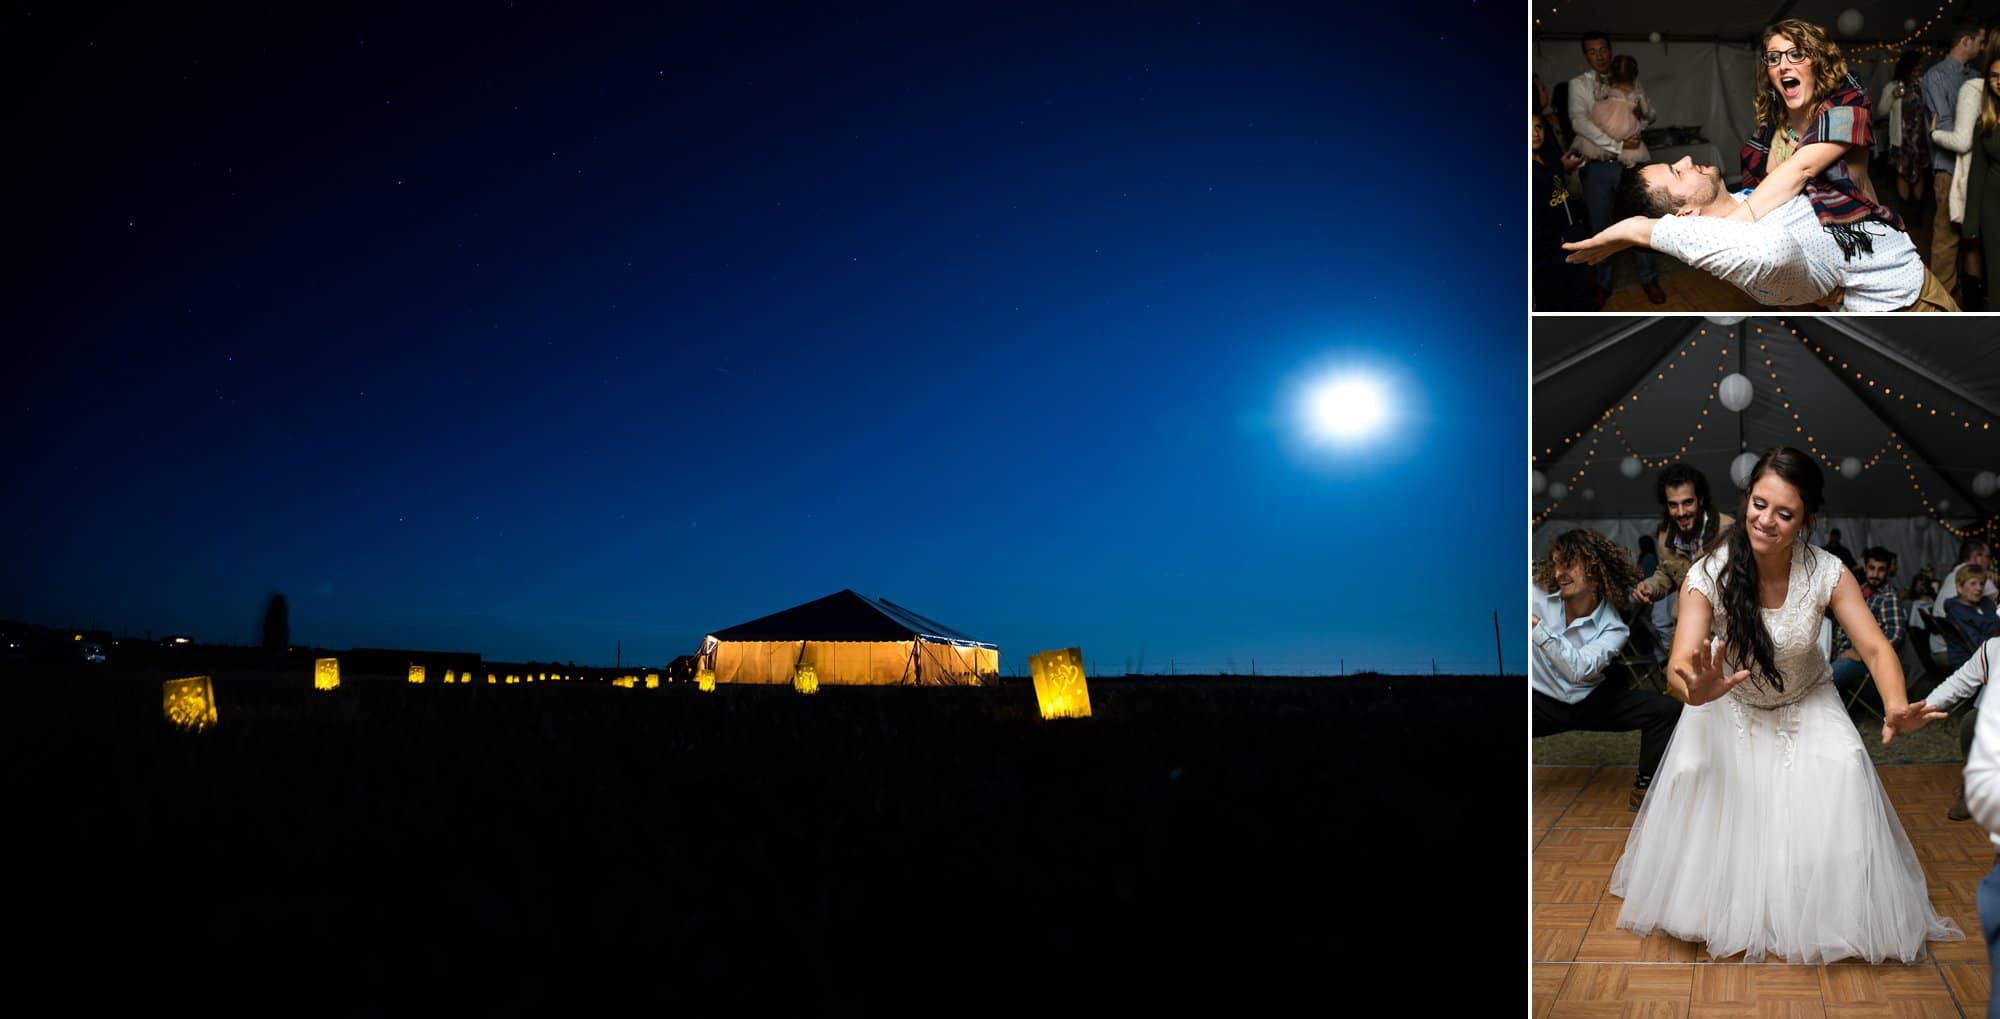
(561, 843)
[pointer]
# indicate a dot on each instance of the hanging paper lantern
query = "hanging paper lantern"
(416, 674)
(1631, 467)
(190, 702)
(1849, 21)
(1944, 505)
(1735, 391)
(1850, 468)
(805, 679)
(1537, 482)
(1557, 490)
(1060, 688)
(1909, 24)
(326, 673)
(1726, 320)
(1984, 484)
(705, 681)
(1589, 494)
(1653, 37)
(1740, 468)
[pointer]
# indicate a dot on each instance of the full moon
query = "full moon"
(1346, 407)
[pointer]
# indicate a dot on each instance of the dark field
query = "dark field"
(387, 848)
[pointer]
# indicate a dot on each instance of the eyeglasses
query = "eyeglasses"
(1795, 55)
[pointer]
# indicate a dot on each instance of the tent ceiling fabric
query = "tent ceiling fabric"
(1607, 388)
(1881, 20)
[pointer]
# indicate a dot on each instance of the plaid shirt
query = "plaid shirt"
(1888, 611)
(1838, 201)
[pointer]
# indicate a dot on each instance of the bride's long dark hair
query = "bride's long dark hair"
(1749, 641)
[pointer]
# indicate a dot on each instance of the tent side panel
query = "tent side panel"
(858, 662)
(755, 661)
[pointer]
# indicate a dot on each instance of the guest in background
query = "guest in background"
(1908, 123)
(1982, 185)
(1602, 167)
(1558, 217)
(1973, 612)
(1940, 87)
(1960, 141)
(1883, 604)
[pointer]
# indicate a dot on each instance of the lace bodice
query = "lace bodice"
(1794, 626)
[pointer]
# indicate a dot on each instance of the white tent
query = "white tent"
(1909, 404)
(849, 639)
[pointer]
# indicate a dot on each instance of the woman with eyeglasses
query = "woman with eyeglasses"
(1973, 130)
(1814, 128)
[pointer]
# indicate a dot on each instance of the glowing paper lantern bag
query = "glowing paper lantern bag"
(1059, 683)
(326, 673)
(805, 679)
(416, 674)
(190, 702)
(705, 681)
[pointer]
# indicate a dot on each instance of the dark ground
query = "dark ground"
(388, 848)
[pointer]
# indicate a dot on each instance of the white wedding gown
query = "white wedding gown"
(1766, 830)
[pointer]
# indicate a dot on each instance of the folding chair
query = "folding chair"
(1637, 656)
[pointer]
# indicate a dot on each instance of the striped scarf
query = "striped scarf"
(1839, 202)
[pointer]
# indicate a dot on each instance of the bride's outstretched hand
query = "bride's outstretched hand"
(1707, 682)
(1912, 717)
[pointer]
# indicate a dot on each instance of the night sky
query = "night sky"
(530, 328)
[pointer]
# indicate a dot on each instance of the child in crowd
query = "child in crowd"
(1974, 612)
(1622, 109)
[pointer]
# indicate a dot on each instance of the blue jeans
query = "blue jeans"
(1600, 179)
(1989, 922)
(1847, 672)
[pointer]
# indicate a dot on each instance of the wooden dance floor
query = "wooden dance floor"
(1583, 965)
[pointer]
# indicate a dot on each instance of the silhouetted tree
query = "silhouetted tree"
(277, 626)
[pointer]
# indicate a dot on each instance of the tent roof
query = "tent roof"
(1711, 20)
(1916, 400)
(846, 615)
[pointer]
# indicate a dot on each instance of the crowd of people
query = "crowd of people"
(1762, 827)
(1815, 223)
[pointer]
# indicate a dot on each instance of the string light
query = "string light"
(1872, 52)
(1893, 441)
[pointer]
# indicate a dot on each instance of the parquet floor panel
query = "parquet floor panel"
(1584, 965)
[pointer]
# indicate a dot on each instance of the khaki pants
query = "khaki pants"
(1944, 235)
(1934, 297)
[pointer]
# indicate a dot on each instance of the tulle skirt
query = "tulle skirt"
(1767, 832)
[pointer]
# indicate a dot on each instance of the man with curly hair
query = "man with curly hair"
(1575, 633)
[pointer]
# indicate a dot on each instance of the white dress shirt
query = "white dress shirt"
(1566, 659)
(1982, 764)
(1788, 259)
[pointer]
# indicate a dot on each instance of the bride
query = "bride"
(1767, 831)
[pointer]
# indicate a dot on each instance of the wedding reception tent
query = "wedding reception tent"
(848, 639)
